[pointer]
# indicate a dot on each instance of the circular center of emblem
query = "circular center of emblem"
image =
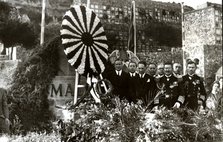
(87, 39)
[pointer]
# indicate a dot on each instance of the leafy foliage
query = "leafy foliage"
(112, 40)
(32, 136)
(129, 122)
(164, 34)
(12, 30)
(30, 87)
(15, 32)
(118, 121)
(4, 11)
(51, 31)
(34, 15)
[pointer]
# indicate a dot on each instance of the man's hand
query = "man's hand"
(177, 105)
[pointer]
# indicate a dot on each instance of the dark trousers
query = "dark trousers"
(167, 102)
(191, 103)
(4, 127)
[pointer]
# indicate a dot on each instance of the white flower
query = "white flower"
(4, 139)
(67, 115)
(149, 116)
(98, 130)
(98, 121)
(147, 138)
(219, 126)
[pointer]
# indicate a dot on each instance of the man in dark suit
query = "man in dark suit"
(160, 70)
(170, 88)
(195, 93)
(146, 84)
(152, 69)
(133, 77)
(177, 70)
(119, 80)
(4, 112)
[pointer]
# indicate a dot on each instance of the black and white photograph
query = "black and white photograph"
(111, 71)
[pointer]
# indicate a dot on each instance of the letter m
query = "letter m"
(57, 90)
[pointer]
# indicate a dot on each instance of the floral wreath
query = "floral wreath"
(84, 40)
(98, 87)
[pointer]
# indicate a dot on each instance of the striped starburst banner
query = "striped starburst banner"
(84, 40)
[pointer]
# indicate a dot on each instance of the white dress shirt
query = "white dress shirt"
(132, 74)
(141, 75)
(119, 73)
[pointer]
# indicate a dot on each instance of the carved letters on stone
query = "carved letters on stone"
(61, 90)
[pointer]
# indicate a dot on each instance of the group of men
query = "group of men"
(158, 85)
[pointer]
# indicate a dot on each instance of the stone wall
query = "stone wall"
(61, 90)
(199, 31)
(7, 69)
(199, 28)
(212, 60)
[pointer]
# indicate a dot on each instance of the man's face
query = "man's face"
(132, 67)
(118, 65)
(160, 69)
(215, 88)
(152, 69)
(168, 69)
(191, 68)
(177, 68)
(141, 68)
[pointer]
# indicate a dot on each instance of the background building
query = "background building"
(115, 15)
(203, 37)
(158, 23)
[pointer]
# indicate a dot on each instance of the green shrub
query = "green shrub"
(30, 87)
(13, 31)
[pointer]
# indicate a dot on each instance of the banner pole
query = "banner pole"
(43, 22)
(183, 37)
(76, 86)
(134, 25)
(88, 3)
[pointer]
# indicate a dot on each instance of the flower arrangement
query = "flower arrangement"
(121, 121)
(129, 122)
(31, 137)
